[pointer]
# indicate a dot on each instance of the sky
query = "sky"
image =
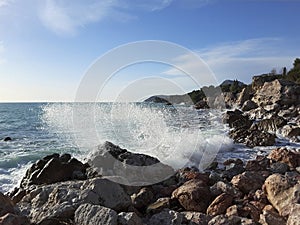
(48, 46)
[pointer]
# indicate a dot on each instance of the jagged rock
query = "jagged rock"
(282, 192)
(201, 105)
(279, 167)
(259, 138)
(54, 168)
(193, 195)
(282, 92)
(132, 169)
(12, 219)
(245, 95)
(219, 205)
(196, 218)
(6, 205)
(130, 218)
(62, 199)
(294, 218)
(143, 198)
(261, 163)
(284, 155)
(166, 217)
(159, 205)
(236, 119)
(186, 174)
(291, 131)
(272, 124)
(271, 217)
(249, 105)
(88, 214)
(243, 180)
(259, 81)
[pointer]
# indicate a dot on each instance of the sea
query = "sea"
(177, 135)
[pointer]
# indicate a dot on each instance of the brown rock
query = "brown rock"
(271, 217)
(285, 156)
(219, 205)
(248, 181)
(193, 195)
(143, 198)
(294, 218)
(259, 164)
(282, 192)
(6, 205)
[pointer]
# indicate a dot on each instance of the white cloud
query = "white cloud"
(65, 17)
(4, 3)
(243, 59)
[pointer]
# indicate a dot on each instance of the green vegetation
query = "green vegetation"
(197, 95)
(294, 73)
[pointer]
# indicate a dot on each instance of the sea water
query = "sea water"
(177, 135)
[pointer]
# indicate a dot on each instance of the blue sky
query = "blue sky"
(46, 46)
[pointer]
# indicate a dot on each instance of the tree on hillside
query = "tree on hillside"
(294, 73)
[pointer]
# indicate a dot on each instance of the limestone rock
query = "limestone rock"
(271, 217)
(88, 214)
(294, 218)
(282, 192)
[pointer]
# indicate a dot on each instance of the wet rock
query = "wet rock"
(52, 169)
(272, 124)
(249, 105)
(236, 119)
(130, 218)
(88, 214)
(284, 155)
(6, 205)
(12, 219)
(166, 217)
(294, 217)
(279, 167)
(201, 105)
(219, 205)
(243, 180)
(62, 199)
(193, 195)
(159, 205)
(186, 174)
(282, 192)
(271, 217)
(133, 169)
(291, 131)
(196, 218)
(143, 198)
(261, 163)
(7, 139)
(259, 138)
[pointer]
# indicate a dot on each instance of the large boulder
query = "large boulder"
(220, 204)
(59, 201)
(245, 95)
(259, 81)
(133, 169)
(243, 180)
(54, 168)
(88, 214)
(281, 92)
(282, 193)
(194, 195)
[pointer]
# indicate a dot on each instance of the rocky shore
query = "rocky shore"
(59, 189)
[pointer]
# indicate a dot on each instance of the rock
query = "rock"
(284, 155)
(222, 187)
(282, 92)
(7, 139)
(62, 199)
(261, 163)
(236, 119)
(291, 131)
(249, 105)
(224, 220)
(279, 167)
(233, 211)
(166, 217)
(186, 174)
(130, 218)
(245, 95)
(282, 192)
(271, 217)
(201, 105)
(52, 169)
(143, 198)
(12, 219)
(219, 205)
(193, 195)
(159, 205)
(196, 218)
(272, 124)
(6, 205)
(133, 169)
(294, 218)
(243, 180)
(259, 138)
(259, 81)
(88, 214)
(232, 170)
